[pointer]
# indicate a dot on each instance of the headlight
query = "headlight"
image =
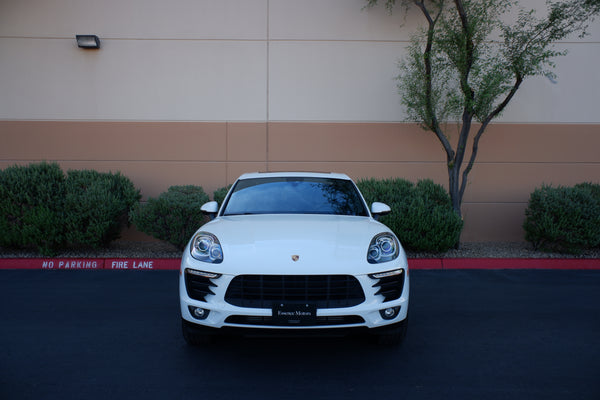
(383, 248)
(206, 247)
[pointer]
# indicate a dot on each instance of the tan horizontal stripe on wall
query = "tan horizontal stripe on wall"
(513, 160)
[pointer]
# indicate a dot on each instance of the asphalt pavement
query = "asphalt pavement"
(473, 334)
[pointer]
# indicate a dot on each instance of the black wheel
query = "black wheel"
(393, 335)
(195, 335)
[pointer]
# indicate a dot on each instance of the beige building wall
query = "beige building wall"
(198, 92)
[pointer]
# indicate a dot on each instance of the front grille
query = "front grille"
(323, 291)
(197, 286)
(390, 287)
(321, 321)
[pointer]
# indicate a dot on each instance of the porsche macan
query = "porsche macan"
(294, 252)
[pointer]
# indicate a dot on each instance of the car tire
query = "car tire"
(393, 335)
(195, 335)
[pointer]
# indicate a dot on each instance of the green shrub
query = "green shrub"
(42, 208)
(99, 205)
(564, 219)
(220, 194)
(594, 188)
(422, 216)
(174, 216)
(32, 207)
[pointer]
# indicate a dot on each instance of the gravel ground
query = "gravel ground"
(121, 248)
(501, 250)
(157, 249)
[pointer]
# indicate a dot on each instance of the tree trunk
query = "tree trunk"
(454, 187)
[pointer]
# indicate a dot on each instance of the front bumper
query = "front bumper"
(221, 314)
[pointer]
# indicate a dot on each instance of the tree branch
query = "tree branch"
(432, 121)
(482, 128)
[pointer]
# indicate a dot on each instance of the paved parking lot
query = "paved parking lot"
(473, 334)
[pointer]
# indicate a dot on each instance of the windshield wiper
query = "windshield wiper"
(241, 213)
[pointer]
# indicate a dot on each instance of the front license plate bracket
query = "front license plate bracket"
(294, 314)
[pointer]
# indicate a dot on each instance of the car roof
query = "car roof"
(296, 174)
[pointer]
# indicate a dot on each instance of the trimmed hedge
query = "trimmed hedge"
(31, 207)
(422, 216)
(98, 205)
(174, 216)
(564, 219)
(220, 194)
(42, 208)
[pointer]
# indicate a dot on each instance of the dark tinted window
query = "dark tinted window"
(295, 196)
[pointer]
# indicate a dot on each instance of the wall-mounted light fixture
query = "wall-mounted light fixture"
(88, 41)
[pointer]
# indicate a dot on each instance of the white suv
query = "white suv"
(297, 252)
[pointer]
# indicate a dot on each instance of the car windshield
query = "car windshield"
(295, 195)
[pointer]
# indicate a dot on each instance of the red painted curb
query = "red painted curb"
(506, 263)
(148, 264)
(51, 263)
(91, 263)
(425, 263)
(142, 263)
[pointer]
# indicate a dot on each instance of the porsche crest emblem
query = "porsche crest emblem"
(295, 258)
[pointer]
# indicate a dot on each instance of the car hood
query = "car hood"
(303, 244)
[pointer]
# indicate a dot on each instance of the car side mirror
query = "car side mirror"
(380, 209)
(211, 209)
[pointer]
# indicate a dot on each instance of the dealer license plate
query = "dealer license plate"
(294, 314)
